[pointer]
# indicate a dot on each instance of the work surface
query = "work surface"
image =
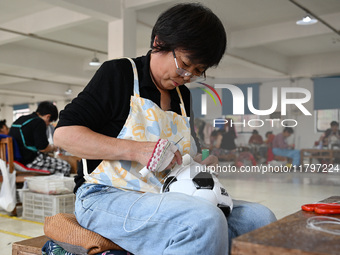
(289, 236)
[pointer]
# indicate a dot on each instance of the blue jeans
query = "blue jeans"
(169, 223)
(293, 154)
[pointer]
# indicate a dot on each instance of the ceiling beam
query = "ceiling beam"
(33, 24)
(280, 32)
(326, 64)
(106, 10)
(141, 4)
(263, 57)
(47, 63)
(238, 70)
(30, 93)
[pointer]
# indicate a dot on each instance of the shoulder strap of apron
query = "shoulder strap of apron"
(85, 172)
(135, 78)
(135, 93)
(184, 113)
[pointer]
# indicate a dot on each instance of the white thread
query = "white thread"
(127, 215)
(318, 220)
(159, 204)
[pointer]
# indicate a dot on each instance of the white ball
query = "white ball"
(195, 180)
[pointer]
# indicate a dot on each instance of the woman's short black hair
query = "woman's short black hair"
(47, 107)
(194, 28)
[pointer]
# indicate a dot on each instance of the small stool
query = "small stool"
(31, 246)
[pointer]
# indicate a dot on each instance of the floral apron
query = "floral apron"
(146, 122)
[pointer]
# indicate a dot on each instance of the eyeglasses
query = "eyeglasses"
(184, 73)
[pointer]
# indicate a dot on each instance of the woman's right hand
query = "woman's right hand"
(148, 149)
(144, 151)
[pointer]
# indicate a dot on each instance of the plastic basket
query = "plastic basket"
(38, 206)
(52, 185)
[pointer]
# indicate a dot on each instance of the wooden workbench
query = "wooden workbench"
(322, 154)
(288, 236)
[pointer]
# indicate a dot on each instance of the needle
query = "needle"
(179, 140)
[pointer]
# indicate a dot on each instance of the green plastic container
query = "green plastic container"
(205, 154)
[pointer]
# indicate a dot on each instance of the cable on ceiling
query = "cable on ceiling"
(34, 36)
(38, 79)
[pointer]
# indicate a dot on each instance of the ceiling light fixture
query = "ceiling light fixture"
(95, 61)
(316, 17)
(68, 91)
(307, 20)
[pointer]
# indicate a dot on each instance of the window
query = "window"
(19, 113)
(20, 110)
(326, 102)
(325, 117)
(326, 93)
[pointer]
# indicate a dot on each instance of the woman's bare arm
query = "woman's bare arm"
(85, 143)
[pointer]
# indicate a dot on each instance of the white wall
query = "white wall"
(6, 112)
